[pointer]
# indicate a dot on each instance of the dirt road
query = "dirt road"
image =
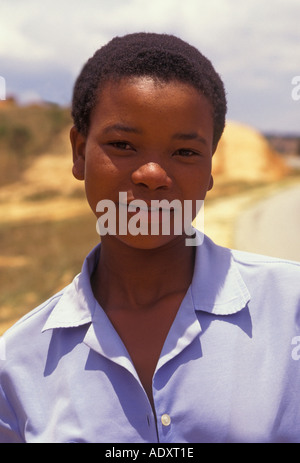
(226, 222)
(272, 227)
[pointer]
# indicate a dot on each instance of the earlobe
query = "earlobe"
(78, 142)
(211, 183)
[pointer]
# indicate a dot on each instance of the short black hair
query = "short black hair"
(161, 56)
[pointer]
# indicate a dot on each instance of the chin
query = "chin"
(149, 242)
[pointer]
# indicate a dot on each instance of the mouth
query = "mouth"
(137, 208)
(137, 205)
(146, 213)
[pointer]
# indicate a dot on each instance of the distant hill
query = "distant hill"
(285, 144)
(245, 155)
(25, 133)
(32, 136)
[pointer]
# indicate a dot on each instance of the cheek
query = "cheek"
(99, 175)
(104, 179)
(196, 183)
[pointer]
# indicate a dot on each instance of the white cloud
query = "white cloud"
(254, 44)
(68, 32)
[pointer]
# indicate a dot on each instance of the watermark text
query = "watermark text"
(159, 217)
(2, 88)
(296, 350)
(2, 349)
(296, 88)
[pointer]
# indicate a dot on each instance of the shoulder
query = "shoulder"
(71, 307)
(269, 282)
(274, 279)
(250, 263)
(26, 333)
(38, 315)
(261, 264)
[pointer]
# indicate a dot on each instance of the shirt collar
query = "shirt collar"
(77, 304)
(217, 287)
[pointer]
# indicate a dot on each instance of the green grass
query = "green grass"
(53, 253)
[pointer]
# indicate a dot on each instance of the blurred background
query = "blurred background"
(46, 228)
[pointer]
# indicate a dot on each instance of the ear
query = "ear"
(211, 181)
(78, 142)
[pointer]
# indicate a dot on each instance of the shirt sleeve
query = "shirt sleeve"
(9, 432)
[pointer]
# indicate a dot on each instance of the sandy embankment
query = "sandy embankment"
(243, 157)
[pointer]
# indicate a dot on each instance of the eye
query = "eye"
(121, 145)
(185, 153)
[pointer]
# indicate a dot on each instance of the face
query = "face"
(150, 140)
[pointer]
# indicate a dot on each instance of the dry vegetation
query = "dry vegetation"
(46, 227)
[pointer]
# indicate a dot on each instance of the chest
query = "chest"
(220, 384)
(144, 333)
(207, 401)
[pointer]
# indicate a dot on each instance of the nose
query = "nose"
(152, 175)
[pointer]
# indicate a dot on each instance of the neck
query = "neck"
(141, 276)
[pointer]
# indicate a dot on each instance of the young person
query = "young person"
(155, 340)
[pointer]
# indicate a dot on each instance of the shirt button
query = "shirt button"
(166, 420)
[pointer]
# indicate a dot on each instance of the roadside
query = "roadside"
(272, 227)
(222, 213)
(47, 218)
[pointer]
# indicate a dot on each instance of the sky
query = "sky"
(253, 44)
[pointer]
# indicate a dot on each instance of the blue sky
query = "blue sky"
(253, 44)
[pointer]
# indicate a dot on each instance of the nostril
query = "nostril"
(151, 175)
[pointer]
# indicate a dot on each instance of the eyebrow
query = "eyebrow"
(122, 127)
(190, 136)
(177, 136)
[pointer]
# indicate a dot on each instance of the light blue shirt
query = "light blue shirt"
(228, 371)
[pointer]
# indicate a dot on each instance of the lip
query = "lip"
(147, 208)
(147, 214)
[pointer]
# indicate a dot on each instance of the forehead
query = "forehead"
(147, 100)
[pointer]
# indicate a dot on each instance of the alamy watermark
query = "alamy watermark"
(296, 350)
(296, 88)
(158, 217)
(2, 349)
(2, 88)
